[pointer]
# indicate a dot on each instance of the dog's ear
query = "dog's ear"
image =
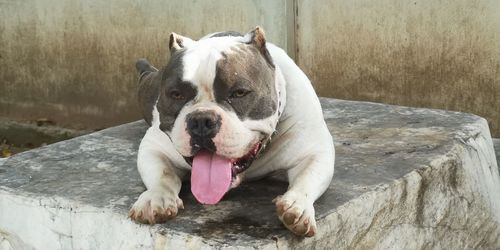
(142, 65)
(178, 42)
(257, 37)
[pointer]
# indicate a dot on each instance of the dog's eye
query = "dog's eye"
(239, 93)
(176, 95)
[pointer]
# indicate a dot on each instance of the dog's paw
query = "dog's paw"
(296, 213)
(155, 207)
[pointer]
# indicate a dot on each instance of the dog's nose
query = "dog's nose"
(203, 124)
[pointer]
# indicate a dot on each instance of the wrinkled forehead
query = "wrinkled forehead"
(200, 60)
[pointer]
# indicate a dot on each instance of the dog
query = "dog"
(230, 107)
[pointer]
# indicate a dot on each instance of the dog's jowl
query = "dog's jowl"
(230, 107)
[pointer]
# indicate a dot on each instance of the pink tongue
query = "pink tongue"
(210, 177)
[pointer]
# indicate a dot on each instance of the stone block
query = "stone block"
(496, 144)
(405, 178)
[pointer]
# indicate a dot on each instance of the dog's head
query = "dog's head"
(218, 100)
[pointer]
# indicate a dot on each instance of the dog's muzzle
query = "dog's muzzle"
(212, 175)
(203, 127)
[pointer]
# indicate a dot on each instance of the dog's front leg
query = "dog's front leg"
(307, 182)
(162, 179)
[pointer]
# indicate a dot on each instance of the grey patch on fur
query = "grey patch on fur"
(148, 88)
(246, 70)
(171, 80)
(159, 86)
(259, 41)
(143, 66)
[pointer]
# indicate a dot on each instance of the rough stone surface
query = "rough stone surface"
(405, 178)
(496, 144)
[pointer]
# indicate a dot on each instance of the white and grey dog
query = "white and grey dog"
(230, 107)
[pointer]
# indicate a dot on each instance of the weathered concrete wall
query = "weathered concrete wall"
(440, 54)
(73, 61)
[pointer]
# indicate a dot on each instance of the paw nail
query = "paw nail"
(311, 232)
(180, 205)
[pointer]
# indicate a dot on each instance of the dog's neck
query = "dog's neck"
(280, 84)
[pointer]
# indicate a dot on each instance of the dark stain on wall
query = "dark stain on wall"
(442, 55)
(73, 62)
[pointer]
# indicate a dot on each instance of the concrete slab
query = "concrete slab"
(405, 178)
(496, 144)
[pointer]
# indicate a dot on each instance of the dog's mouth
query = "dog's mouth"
(213, 175)
(240, 164)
